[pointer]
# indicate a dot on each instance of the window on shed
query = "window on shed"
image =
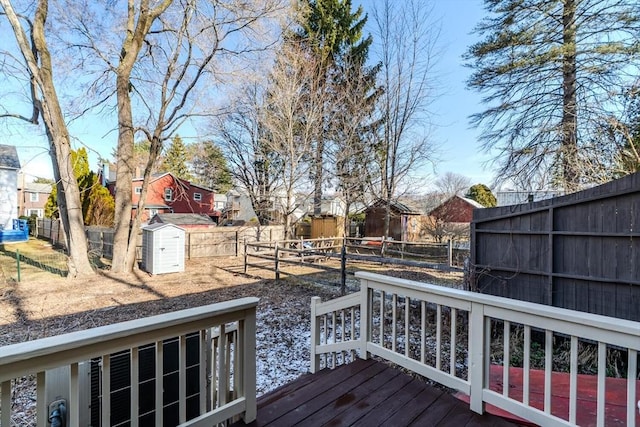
(168, 194)
(138, 190)
(197, 196)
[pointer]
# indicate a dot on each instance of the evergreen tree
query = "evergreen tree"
(98, 205)
(176, 159)
(483, 195)
(551, 71)
(333, 36)
(210, 167)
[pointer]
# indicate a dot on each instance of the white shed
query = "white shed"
(162, 248)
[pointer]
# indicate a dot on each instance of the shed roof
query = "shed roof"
(9, 157)
(396, 206)
(182, 219)
(158, 226)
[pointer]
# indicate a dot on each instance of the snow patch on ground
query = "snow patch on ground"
(283, 345)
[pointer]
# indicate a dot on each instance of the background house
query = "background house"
(512, 197)
(9, 166)
(451, 219)
(167, 193)
(32, 197)
(404, 222)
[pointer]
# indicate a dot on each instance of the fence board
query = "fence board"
(577, 251)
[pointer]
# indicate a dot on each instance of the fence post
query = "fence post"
(189, 246)
(18, 263)
(277, 262)
(450, 253)
(238, 243)
(245, 255)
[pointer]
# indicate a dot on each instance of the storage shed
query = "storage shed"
(162, 248)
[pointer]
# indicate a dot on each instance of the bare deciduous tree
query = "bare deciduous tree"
(46, 105)
(407, 52)
(290, 118)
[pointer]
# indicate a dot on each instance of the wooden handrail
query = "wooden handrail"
(392, 310)
(69, 350)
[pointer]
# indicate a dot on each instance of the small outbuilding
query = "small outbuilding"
(403, 221)
(162, 248)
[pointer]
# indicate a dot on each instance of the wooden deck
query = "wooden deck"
(365, 393)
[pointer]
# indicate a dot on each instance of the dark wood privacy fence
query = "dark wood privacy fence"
(580, 251)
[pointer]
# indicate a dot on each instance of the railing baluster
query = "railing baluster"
(602, 377)
(205, 353)
(135, 382)
(159, 415)
(423, 331)
(548, 367)
(438, 336)
(394, 321)
(182, 379)
(5, 403)
(382, 313)
(42, 415)
(407, 340)
(223, 380)
(631, 388)
(526, 363)
(452, 334)
(573, 380)
(506, 356)
(105, 390)
(215, 353)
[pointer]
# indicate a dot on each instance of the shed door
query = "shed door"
(169, 252)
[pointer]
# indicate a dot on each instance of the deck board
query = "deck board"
(364, 393)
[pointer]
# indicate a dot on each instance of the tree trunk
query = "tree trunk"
(57, 134)
(124, 175)
(318, 176)
(570, 167)
(123, 244)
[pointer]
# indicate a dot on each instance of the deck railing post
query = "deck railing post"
(477, 365)
(249, 365)
(315, 335)
(365, 318)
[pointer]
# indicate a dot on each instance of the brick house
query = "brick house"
(32, 197)
(169, 194)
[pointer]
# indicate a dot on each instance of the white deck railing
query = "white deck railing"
(449, 335)
(216, 373)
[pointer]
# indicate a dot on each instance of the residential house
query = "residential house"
(167, 193)
(456, 209)
(452, 218)
(512, 197)
(32, 197)
(404, 221)
(9, 166)
(239, 208)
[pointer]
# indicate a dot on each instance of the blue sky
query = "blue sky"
(458, 143)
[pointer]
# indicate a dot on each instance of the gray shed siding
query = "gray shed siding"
(162, 249)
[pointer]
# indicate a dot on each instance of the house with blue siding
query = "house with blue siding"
(9, 166)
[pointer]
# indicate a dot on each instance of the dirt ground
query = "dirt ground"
(48, 304)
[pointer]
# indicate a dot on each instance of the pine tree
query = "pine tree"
(333, 36)
(176, 159)
(210, 167)
(551, 70)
